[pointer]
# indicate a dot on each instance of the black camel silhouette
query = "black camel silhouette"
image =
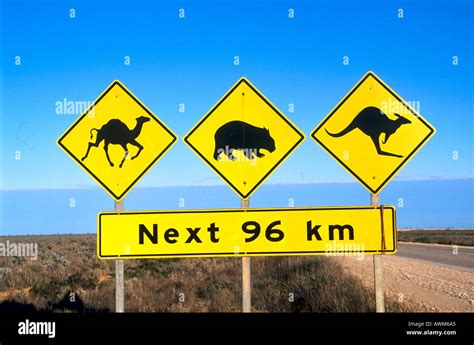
(373, 122)
(117, 133)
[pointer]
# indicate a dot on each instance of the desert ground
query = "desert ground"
(418, 285)
(68, 277)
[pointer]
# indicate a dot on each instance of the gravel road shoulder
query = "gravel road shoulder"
(419, 286)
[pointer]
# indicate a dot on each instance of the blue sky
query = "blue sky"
(191, 61)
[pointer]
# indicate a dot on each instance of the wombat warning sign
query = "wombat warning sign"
(244, 138)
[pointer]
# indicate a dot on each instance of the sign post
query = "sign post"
(115, 142)
(244, 138)
(246, 273)
(378, 274)
(372, 132)
(119, 279)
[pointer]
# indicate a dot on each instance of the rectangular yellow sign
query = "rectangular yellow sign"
(247, 232)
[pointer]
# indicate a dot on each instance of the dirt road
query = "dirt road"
(418, 285)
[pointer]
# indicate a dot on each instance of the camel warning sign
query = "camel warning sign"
(117, 140)
(244, 138)
(247, 232)
(372, 132)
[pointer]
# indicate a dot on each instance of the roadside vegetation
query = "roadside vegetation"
(68, 277)
(451, 237)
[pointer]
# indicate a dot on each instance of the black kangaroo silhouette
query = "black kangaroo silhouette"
(239, 135)
(117, 133)
(373, 122)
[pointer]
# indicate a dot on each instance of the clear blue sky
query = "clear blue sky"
(190, 61)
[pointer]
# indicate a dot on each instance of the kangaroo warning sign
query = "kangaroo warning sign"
(244, 138)
(372, 132)
(247, 232)
(117, 140)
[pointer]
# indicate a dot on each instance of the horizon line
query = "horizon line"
(85, 187)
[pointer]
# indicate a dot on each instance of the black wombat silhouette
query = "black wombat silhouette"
(239, 135)
(373, 122)
(117, 133)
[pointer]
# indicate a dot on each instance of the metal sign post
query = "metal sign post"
(110, 118)
(378, 275)
(246, 278)
(119, 290)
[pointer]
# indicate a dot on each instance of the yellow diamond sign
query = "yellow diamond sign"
(373, 132)
(117, 140)
(244, 138)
